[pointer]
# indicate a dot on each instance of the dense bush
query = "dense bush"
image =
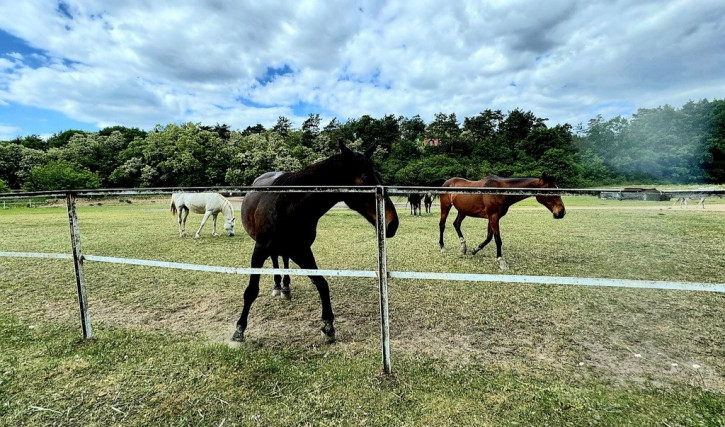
(60, 175)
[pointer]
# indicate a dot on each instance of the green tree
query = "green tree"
(60, 175)
(412, 129)
(61, 139)
(283, 126)
(310, 130)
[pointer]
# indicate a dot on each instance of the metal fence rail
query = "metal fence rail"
(382, 274)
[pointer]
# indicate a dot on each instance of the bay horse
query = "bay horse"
(281, 286)
(285, 224)
(492, 206)
(209, 204)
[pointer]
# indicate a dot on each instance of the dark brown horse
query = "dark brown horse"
(428, 201)
(492, 206)
(285, 224)
(414, 200)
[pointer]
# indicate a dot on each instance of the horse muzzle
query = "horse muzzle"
(560, 214)
(391, 228)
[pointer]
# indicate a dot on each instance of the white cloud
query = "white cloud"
(138, 64)
(9, 132)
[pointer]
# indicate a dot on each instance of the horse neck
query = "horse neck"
(325, 173)
(522, 183)
(227, 210)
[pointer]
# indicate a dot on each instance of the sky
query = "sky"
(90, 64)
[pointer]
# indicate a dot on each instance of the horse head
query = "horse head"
(360, 170)
(229, 219)
(553, 203)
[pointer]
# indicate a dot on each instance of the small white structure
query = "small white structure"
(209, 204)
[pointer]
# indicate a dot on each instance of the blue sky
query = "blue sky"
(89, 64)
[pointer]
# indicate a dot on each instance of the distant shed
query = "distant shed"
(636, 193)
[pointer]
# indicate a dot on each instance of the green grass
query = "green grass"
(463, 353)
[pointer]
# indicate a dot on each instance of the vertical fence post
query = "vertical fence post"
(383, 277)
(75, 241)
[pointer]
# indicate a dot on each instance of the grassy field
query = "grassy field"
(463, 353)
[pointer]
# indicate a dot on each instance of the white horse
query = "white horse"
(682, 202)
(209, 204)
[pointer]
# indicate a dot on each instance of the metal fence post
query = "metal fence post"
(75, 241)
(383, 277)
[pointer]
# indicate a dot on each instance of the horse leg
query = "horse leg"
(277, 291)
(183, 221)
(305, 259)
(251, 293)
(203, 221)
(213, 223)
(178, 218)
(485, 242)
(457, 225)
(286, 293)
(493, 225)
(445, 208)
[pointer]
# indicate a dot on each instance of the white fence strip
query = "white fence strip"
(231, 270)
(35, 255)
(555, 280)
(504, 278)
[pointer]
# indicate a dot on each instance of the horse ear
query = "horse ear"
(346, 152)
(546, 177)
(369, 152)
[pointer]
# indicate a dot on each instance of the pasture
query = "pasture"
(463, 353)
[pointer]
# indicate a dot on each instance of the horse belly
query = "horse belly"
(470, 205)
(198, 209)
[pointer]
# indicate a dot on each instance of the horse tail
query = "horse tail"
(173, 206)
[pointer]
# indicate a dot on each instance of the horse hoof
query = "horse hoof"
(328, 331)
(276, 292)
(443, 249)
(286, 294)
(215, 234)
(197, 237)
(238, 335)
(502, 264)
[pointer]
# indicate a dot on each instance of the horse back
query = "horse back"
(200, 202)
(477, 205)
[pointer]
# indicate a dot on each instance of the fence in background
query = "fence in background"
(382, 274)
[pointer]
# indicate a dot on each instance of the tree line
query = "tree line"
(658, 145)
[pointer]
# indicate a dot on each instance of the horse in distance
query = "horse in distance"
(285, 224)
(428, 201)
(209, 204)
(492, 206)
(414, 200)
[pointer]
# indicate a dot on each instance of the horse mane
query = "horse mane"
(227, 205)
(318, 173)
